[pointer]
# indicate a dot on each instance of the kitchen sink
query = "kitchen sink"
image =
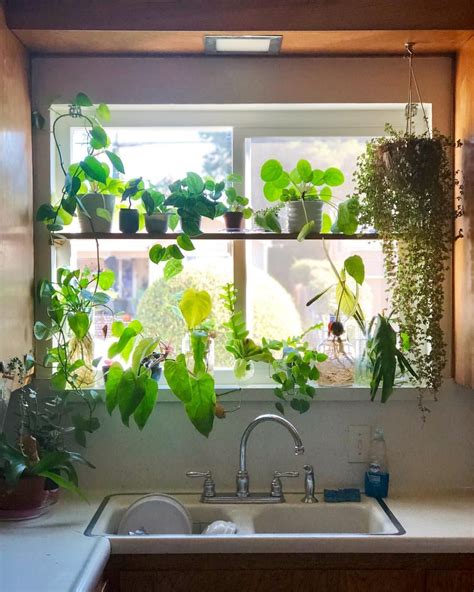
(368, 518)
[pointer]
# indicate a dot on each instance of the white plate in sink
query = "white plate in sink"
(156, 514)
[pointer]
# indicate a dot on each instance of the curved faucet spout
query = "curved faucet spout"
(242, 475)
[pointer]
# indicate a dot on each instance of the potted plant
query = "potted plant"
(88, 189)
(129, 218)
(237, 206)
(268, 218)
(304, 190)
(158, 215)
(39, 461)
(194, 197)
(405, 183)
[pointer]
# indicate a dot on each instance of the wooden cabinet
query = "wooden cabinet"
(450, 581)
(295, 573)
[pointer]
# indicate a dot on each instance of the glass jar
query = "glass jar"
(209, 353)
(339, 367)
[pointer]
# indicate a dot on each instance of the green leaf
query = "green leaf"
(82, 100)
(156, 253)
(106, 279)
(45, 212)
(72, 186)
(195, 183)
(195, 307)
(130, 394)
(347, 218)
(174, 252)
(41, 331)
(271, 170)
(178, 379)
(326, 224)
(145, 408)
(79, 323)
(185, 242)
(282, 181)
(93, 169)
(62, 482)
(116, 161)
(99, 137)
(200, 409)
(173, 267)
(58, 380)
(280, 408)
(325, 194)
(114, 376)
(307, 229)
(128, 334)
(355, 268)
(300, 405)
(271, 192)
(198, 346)
(305, 171)
(333, 177)
(103, 112)
(143, 349)
(318, 177)
(318, 296)
(117, 328)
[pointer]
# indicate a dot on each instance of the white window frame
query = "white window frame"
(246, 121)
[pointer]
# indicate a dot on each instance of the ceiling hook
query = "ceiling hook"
(409, 47)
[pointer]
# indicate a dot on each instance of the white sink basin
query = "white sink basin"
(256, 523)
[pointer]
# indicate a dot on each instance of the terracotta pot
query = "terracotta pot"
(28, 494)
(234, 220)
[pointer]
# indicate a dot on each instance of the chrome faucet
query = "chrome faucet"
(243, 479)
(309, 485)
(242, 495)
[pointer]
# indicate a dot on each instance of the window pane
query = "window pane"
(142, 293)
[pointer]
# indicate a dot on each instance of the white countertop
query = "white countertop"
(51, 553)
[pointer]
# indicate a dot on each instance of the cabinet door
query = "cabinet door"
(224, 581)
(450, 581)
(378, 580)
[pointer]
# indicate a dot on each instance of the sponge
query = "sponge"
(342, 495)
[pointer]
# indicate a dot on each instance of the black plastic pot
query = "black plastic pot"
(234, 220)
(128, 221)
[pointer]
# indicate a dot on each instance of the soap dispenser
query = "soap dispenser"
(377, 476)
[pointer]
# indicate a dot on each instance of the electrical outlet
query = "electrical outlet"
(358, 444)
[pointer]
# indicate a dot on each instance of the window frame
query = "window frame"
(246, 122)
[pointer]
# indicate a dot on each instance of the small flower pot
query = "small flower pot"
(157, 223)
(91, 202)
(128, 221)
(234, 220)
(297, 218)
(28, 498)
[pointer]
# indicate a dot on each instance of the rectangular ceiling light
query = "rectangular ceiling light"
(242, 44)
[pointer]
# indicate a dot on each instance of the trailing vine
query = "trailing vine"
(406, 185)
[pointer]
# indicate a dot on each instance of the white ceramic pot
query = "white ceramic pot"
(296, 214)
(92, 201)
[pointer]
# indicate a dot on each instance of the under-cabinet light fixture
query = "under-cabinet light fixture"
(242, 44)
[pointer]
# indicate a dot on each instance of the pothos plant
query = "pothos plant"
(70, 302)
(90, 174)
(406, 184)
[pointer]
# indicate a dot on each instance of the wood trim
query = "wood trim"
(245, 15)
(463, 325)
(192, 42)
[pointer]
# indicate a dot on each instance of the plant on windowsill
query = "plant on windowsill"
(88, 189)
(305, 190)
(237, 206)
(158, 215)
(129, 218)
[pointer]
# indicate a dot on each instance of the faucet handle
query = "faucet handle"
(209, 487)
(277, 488)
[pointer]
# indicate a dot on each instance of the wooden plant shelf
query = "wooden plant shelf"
(209, 236)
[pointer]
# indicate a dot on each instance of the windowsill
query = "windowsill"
(257, 393)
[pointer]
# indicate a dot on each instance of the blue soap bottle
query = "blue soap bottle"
(377, 476)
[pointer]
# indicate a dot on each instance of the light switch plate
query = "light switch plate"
(358, 444)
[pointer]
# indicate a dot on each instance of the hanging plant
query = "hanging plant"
(406, 183)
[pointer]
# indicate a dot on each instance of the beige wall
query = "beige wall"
(16, 226)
